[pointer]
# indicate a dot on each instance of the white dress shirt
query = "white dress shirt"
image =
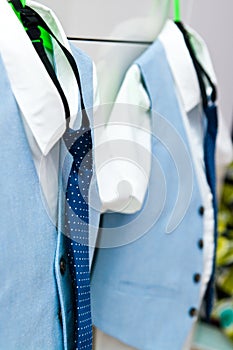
(36, 95)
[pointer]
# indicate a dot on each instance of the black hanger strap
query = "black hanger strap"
(201, 73)
(31, 20)
(17, 5)
(44, 58)
(31, 23)
(66, 52)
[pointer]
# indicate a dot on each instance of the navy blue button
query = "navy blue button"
(201, 244)
(60, 315)
(193, 312)
(201, 210)
(197, 277)
(62, 266)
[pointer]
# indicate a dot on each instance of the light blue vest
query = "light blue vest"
(35, 299)
(145, 293)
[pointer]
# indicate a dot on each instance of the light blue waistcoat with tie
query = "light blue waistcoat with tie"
(146, 286)
(35, 293)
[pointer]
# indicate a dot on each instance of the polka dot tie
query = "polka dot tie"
(79, 144)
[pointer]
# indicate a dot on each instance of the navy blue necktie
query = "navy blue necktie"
(209, 144)
(79, 145)
(209, 157)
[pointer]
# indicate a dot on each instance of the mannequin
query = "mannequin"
(118, 21)
(113, 58)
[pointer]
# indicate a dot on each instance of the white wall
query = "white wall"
(213, 19)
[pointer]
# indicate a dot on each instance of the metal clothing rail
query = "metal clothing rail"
(112, 41)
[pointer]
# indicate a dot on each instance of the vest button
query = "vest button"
(62, 266)
(201, 244)
(201, 210)
(197, 277)
(193, 312)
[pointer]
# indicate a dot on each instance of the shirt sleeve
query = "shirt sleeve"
(123, 151)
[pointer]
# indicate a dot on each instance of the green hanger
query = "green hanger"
(47, 42)
(177, 11)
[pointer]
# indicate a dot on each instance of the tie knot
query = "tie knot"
(79, 143)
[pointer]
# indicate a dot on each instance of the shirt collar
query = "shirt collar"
(181, 65)
(34, 91)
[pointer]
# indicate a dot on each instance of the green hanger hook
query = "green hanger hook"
(177, 11)
(47, 42)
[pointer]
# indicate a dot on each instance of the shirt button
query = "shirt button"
(62, 266)
(197, 278)
(201, 210)
(193, 312)
(200, 243)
